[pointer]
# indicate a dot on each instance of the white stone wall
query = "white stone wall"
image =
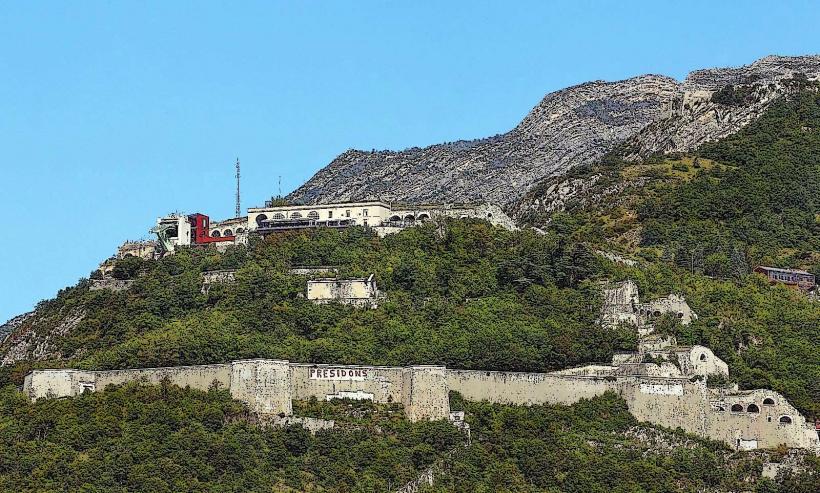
(741, 419)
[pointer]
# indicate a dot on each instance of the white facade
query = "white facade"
(361, 213)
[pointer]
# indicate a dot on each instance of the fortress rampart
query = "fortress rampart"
(742, 419)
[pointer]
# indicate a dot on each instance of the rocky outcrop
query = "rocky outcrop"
(29, 341)
(13, 325)
(568, 128)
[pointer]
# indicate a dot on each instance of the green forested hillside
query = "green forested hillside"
(155, 439)
(459, 293)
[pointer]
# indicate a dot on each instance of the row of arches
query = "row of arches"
(755, 409)
(409, 218)
(227, 232)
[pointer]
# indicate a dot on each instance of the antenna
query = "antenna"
(280, 186)
(238, 207)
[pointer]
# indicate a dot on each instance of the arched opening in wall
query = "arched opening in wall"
(395, 218)
(752, 408)
(702, 357)
(786, 420)
(313, 215)
(489, 215)
(260, 218)
(768, 401)
(215, 234)
(227, 232)
(239, 231)
(409, 218)
(424, 217)
(680, 314)
(278, 216)
(296, 215)
(737, 408)
(657, 313)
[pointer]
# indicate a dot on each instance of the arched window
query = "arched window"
(278, 216)
(657, 313)
(215, 234)
(768, 401)
(296, 215)
(489, 215)
(395, 218)
(423, 217)
(260, 218)
(702, 356)
(753, 408)
(227, 232)
(313, 215)
(785, 420)
(409, 218)
(240, 231)
(680, 314)
(737, 408)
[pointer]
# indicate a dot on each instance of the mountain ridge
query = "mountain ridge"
(567, 128)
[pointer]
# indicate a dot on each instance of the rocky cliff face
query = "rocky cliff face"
(571, 127)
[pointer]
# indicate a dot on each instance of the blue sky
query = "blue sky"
(113, 113)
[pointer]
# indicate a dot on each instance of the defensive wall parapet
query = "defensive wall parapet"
(527, 388)
(741, 419)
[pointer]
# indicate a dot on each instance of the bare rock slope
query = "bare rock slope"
(571, 127)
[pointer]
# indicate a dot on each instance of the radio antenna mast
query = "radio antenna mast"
(238, 207)
(280, 186)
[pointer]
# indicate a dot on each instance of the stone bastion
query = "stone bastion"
(741, 419)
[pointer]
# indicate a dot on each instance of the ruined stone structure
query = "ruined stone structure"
(742, 419)
(224, 276)
(357, 292)
(622, 304)
(110, 284)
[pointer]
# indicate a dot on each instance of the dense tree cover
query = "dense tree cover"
(768, 335)
(596, 446)
(463, 294)
(764, 208)
(155, 439)
(163, 438)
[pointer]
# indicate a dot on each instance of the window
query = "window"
(313, 215)
(364, 212)
(768, 401)
(703, 357)
(296, 215)
(260, 218)
(330, 214)
(215, 234)
(753, 408)
(347, 213)
(278, 216)
(737, 408)
(786, 420)
(228, 232)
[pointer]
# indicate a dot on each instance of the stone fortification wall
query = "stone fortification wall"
(526, 388)
(377, 383)
(706, 412)
(741, 419)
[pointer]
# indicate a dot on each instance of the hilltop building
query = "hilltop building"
(382, 217)
(794, 278)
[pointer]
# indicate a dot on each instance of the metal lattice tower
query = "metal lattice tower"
(238, 207)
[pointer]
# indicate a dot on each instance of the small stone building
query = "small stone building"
(358, 292)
